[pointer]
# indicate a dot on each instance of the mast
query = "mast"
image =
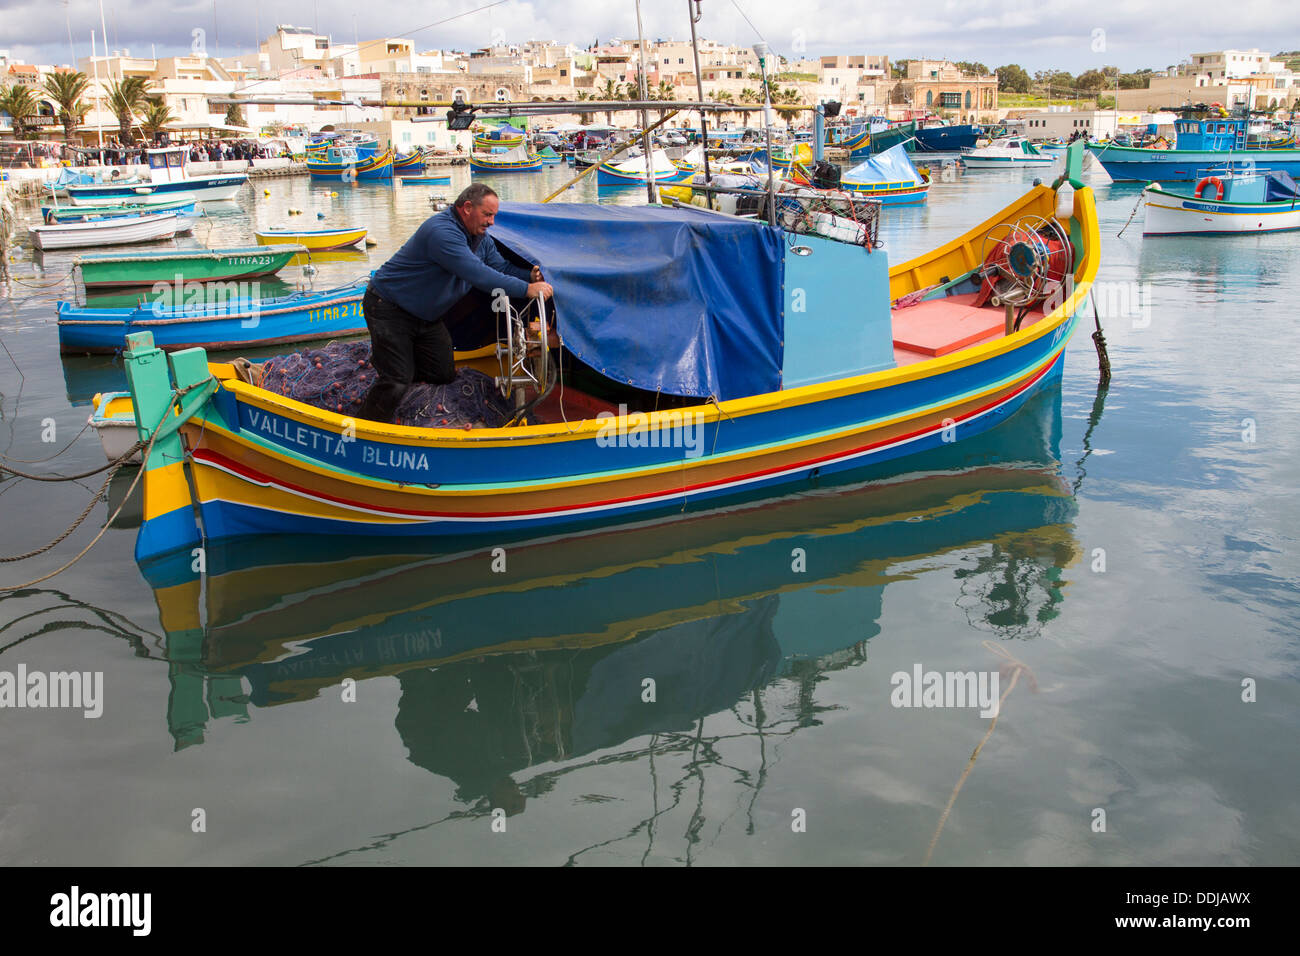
(646, 145)
(693, 8)
(761, 50)
(98, 114)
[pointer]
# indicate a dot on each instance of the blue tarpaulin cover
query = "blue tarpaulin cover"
(1280, 187)
(681, 301)
(504, 131)
(891, 166)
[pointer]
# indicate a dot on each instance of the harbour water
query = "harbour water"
(720, 688)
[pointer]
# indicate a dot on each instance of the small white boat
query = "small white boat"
(168, 174)
(109, 232)
(114, 422)
(1224, 204)
(1008, 151)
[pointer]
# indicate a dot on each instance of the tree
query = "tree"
(1012, 78)
(789, 98)
(155, 117)
(235, 115)
(979, 69)
(899, 69)
(1091, 81)
(585, 118)
(126, 98)
(611, 91)
(19, 102)
(66, 90)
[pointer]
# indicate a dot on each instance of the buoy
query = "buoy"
(320, 215)
(266, 192)
(371, 243)
(333, 194)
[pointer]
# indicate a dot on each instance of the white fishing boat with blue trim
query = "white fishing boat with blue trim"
(1224, 204)
(168, 174)
(1009, 151)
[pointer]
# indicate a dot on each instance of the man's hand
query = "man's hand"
(540, 290)
(536, 275)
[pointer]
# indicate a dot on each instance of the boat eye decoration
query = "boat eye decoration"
(1025, 262)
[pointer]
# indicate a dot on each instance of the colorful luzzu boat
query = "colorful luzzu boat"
(869, 364)
(890, 177)
(632, 172)
(125, 269)
(412, 163)
(1203, 143)
(215, 318)
(314, 240)
(516, 160)
(505, 136)
(1224, 204)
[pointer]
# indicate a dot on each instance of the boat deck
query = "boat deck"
(941, 326)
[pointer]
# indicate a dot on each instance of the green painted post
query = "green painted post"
(151, 393)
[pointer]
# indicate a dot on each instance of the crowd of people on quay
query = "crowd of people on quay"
(115, 153)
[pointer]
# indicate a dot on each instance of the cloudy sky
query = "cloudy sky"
(1038, 34)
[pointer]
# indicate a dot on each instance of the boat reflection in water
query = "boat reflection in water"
(544, 662)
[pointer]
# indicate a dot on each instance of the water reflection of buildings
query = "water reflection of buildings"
(545, 663)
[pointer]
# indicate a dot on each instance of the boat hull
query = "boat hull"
(889, 195)
(608, 175)
(204, 188)
(319, 241)
(1000, 162)
(478, 164)
(944, 139)
(206, 265)
(1169, 214)
(238, 324)
(108, 232)
(1132, 164)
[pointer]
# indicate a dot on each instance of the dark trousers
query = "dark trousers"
(406, 349)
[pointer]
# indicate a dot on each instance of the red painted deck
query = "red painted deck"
(942, 326)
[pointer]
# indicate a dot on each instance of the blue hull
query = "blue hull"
(1125, 164)
(196, 186)
(239, 323)
(944, 139)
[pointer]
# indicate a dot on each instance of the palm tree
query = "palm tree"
(156, 116)
(585, 118)
(66, 89)
(664, 91)
(791, 97)
(126, 98)
(19, 102)
(235, 115)
(611, 91)
(724, 96)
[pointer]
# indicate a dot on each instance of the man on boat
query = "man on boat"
(436, 294)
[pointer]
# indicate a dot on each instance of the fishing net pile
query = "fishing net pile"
(337, 376)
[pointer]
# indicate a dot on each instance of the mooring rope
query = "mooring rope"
(1099, 340)
(116, 461)
(1136, 207)
(37, 461)
(1018, 666)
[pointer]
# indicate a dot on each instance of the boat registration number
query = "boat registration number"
(251, 261)
(335, 313)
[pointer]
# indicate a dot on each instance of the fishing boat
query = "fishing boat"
(724, 384)
(168, 174)
(423, 180)
(894, 134)
(314, 240)
(1007, 151)
(505, 136)
(889, 177)
(214, 321)
(1224, 204)
(119, 230)
(125, 269)
(549, 157)
(1205, 138)
(376, 167)
(183, 206)
(167, 202)
(344, 164)
(411, 163)
(513, 160)
(69, 176)
(943, 138)
(632, 172)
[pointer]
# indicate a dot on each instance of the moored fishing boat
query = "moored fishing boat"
(213, 320)
(411, 163)
(515, 160)
(110, 232)
(168, 174)
(742, 392)
(57, 214)
(632, 172)
(314, 240)
(943, 138)
(423, 180)
(1223, 204)
(1205, 138)
(125, 269)
(505, 136)
(889, 177)
(1008, 151)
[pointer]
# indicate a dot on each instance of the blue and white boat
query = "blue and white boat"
(1002, 153)
(943, 139)
(183, 204)
(168, 173)
(1224, 204)
(209, 316)
(889, 177)
(1201, 144)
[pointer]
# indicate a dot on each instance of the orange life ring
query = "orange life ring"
(1210, 181)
